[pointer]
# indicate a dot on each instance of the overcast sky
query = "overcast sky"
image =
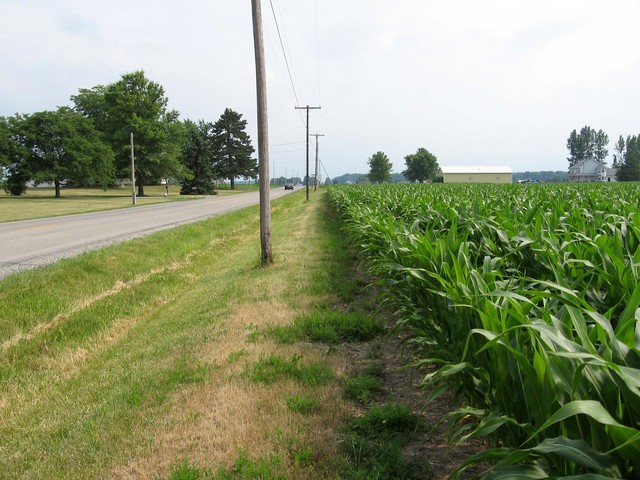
(497, 82)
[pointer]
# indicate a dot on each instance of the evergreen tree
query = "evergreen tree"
(629, 169)
(618, 157)
(379, 168)
(573, 145)
(587, 145)
(233, 149)
(197, 157)
(600, 141)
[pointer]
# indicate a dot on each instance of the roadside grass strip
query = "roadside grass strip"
(137, 360)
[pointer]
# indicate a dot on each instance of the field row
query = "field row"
(525, 301)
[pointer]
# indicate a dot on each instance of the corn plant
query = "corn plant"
(527, 301)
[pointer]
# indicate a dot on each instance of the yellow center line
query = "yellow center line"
(38, 227)
(223, 199)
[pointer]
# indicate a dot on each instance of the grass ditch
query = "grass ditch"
(177, 356)
(272, 368)
(329, 326)
(375, 441)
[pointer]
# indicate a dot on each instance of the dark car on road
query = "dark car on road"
(288, 186)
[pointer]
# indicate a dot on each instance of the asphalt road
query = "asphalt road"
(31, 243)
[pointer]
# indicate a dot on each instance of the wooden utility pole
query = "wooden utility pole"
(133, 172)
(263, 135)
(315, 180)
(307, 108)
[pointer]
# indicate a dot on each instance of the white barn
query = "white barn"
(477, 174)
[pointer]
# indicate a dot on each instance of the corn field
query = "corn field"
(524, 301)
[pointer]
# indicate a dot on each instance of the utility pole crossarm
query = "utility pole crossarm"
(307, 108)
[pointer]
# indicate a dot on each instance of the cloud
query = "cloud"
(495, 82)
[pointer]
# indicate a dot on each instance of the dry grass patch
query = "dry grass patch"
(215, 421)
(234, 333)
(211, 422)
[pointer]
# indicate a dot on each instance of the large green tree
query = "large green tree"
(379, 168)
(588, 144)
(134, 104)
(233, 149)
(197, 157)
(629, 168)
(13, 157)
(58, 146)
(5, 145)
(4, 141)
(421, 166)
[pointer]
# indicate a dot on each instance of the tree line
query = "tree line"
(89, 143)
(422, 166)
(589, 144)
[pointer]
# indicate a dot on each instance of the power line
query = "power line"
(283, 144)
(286, 151)
(307, 108)
(278, 62)
(318, 54)
(286, 42)
(286, 61)
(315, 182)
(325, 170)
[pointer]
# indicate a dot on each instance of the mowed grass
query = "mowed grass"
(153, 357)
(41, 202)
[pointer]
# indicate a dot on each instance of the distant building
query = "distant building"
(612, 174)
(477, 174)
(591, 171)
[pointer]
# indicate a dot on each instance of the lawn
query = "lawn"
(41, 202)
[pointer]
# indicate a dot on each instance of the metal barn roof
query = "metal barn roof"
(477, 169)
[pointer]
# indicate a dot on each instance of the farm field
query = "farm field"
(524, 301)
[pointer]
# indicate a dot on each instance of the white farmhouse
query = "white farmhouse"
(477, 174)
(591, 171)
